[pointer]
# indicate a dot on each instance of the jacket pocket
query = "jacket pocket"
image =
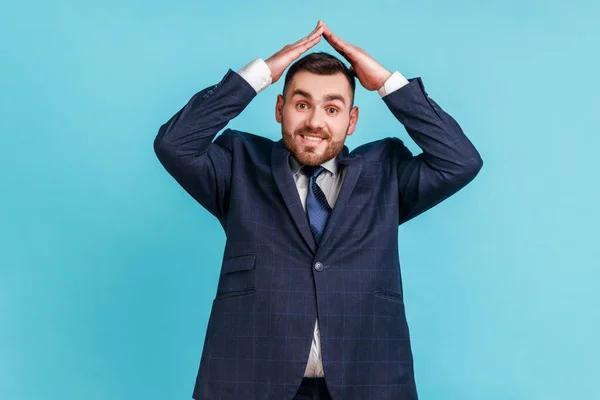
(390, 318)
(238, 263)
(237, 276)
(388, 295)
(235, 293)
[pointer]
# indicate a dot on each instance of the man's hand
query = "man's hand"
(279, 61)
(369, 72)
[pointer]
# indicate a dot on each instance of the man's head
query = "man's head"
(316, 109)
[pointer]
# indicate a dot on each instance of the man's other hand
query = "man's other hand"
(369, 72)
(279, 61)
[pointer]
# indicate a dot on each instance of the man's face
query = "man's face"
(316, 116)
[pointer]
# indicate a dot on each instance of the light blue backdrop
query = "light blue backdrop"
(108, 268)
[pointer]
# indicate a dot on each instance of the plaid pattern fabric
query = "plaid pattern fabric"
(275, 280)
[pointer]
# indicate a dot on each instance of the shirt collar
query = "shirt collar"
(330, 165)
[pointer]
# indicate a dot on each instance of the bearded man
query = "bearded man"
(309, 303)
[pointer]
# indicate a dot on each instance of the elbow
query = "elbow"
(166, 154)
(157, 146)
(472, 167)
(161, 147)
(477, 163)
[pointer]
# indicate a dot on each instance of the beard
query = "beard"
(308, 155)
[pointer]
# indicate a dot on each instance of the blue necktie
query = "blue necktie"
(316, 203)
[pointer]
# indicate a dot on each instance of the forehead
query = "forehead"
(319, 86)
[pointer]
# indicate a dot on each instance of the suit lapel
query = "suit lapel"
(285, 182)
(353, 165)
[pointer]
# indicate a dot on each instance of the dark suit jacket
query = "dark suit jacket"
(275, 281)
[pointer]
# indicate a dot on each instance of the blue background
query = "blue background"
(108, 268)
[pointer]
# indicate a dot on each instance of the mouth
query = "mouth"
(312, 139)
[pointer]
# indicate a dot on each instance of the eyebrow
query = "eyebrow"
(328, 97)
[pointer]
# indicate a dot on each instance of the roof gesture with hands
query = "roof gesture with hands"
(371, 74)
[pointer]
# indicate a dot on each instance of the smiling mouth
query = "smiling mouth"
(315, 139)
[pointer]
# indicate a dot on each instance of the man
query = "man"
(309, 303)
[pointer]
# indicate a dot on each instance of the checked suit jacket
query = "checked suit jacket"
(275, 281)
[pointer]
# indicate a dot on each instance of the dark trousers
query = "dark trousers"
(312, 389)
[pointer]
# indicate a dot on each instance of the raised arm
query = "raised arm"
(449, 160)
(184, 144)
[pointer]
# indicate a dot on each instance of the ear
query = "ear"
(279, 108)
(353, 120)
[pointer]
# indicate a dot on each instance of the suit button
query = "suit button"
(319, 266)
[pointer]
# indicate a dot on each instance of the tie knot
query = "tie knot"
(312, 171)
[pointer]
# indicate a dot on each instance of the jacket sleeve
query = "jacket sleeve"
(449, 160)
(184, 144)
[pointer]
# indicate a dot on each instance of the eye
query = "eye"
(302, 106)
(332, 110)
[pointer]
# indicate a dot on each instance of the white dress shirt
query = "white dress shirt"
(258, 75)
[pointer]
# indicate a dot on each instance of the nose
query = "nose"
(316, 120)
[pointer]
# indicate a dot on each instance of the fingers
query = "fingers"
(316, 33)
(295, 50)
(313, 39)
(335, 41)
(340, 45)
(302, 48)
(318, 30)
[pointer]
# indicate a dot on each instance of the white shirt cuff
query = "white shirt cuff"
(257, 74)
(394, 82)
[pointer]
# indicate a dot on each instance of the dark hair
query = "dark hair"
(321, 64)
